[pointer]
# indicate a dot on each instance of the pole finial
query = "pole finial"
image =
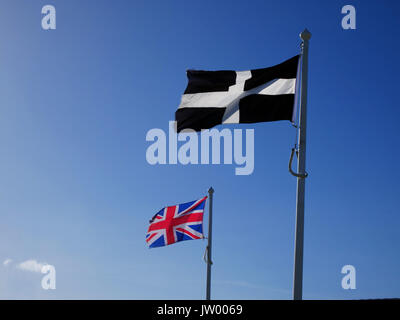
(211, 190)
(305, 35)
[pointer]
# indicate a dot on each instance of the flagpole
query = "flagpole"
(209, 261)
(301, 168)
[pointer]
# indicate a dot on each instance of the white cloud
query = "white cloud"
(31, 265)
(7, 262)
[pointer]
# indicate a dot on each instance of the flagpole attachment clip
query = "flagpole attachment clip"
(205, 256)
(298, 175)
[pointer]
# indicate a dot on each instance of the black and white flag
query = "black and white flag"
(220, 97)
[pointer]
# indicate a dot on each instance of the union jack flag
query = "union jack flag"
(176, 223)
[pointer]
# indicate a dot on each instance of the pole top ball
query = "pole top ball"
(211, 190)
(305, 35)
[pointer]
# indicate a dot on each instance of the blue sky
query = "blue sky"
(76, 104)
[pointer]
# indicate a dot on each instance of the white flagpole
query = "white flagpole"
(209, 261)
(301, 168)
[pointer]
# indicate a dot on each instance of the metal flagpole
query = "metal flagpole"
(209, 261)
(301, 168)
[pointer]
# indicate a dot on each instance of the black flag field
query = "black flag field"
(221, 97)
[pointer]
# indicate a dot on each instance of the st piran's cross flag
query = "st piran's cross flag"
(219, 97)
(176, 223)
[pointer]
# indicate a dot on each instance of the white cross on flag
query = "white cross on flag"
(220, 97)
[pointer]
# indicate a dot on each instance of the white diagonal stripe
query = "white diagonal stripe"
(274, 87)
(235, 93)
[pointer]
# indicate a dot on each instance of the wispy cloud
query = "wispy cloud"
(7, 262)
(31, 265)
